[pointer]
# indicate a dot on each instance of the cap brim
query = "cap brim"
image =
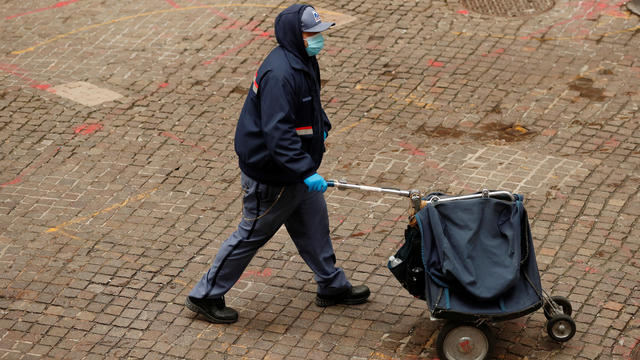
(320, 27)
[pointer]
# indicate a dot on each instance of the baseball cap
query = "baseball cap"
(311, 21)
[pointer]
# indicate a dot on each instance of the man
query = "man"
(280, 143)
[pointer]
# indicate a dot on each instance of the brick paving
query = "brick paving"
(112, 208)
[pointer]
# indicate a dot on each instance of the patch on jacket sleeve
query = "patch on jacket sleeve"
(255, 83)
(306, 130)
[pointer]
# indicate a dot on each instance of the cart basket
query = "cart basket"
(478, 258)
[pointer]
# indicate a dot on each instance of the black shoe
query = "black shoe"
(214, 310)
(356, 295)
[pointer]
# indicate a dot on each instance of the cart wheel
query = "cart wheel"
(562, 302)
(461, 341)
(561, 327)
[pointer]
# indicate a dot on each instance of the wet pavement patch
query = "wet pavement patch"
(509, 8)
(500, 131)
(483, 132)
(439, 132)
(585, 87)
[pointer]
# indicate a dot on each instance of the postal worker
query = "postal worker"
(279, 141)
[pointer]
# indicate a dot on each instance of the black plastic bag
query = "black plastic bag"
(407, 266)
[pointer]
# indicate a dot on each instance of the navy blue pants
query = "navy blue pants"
(265, 209)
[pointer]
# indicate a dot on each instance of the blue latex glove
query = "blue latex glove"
(325, 135)
(316, 182)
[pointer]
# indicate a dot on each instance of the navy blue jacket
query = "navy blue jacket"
(280, 133)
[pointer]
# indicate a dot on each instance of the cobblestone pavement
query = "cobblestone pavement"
(118, 179)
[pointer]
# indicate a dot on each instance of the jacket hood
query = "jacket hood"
(288, 28)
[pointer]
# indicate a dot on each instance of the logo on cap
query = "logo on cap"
(316, 16)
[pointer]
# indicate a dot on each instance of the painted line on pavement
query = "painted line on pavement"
(68, 235)
(172, 3)
(237, 48)
(31, 168)
(351, 126)
(55, 6)
(149, 13)
(21, 74)
(87, 129)
(113, 207)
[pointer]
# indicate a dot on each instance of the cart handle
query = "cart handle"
(415, 196)
(485, 194)
(344, 185)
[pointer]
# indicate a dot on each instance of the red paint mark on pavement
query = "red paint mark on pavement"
(560, 195)
(435, 79)
(593, 9)
(55, 6)
(87, 129)
(252, 26)
(587, 10)
(182, 141)
(414, 150)
(636, 345)
(463, 12)
(432, 62)
(381, 224)
(220, 14)
(393, 241)
(163, 85)
(22, 75)
(217, 12)
(31, 169)
(256, 273)
(230, 25)
(549, 132)
(170, 2)
(612, 142)
(333, 50)
(229, 52)
(237, 48)
(494, 53)
(171, 136)
(361, 233)
(238, 24)
(13, 182)
(41, 86)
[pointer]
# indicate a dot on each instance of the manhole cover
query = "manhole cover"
(508, 7)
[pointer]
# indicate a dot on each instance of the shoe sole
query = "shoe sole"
(331, 302)
(197, 309)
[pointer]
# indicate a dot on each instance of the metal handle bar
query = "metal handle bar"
(415, 194)
(345, 185)
(485, 194)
